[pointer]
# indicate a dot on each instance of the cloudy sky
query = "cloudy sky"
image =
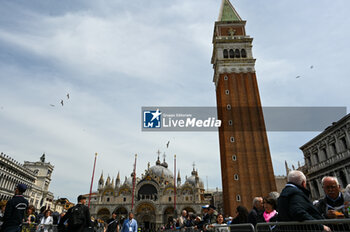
(113, 57)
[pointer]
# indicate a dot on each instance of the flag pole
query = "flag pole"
(92, 179)
(174, 184)
(133, 185)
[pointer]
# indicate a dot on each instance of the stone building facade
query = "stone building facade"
(36, 175)
(153, 196)
(328, 154)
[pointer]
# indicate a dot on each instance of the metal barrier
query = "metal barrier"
(33, 227)
(336, 225)
(244, 227)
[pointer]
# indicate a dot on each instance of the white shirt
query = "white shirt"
(45, 222)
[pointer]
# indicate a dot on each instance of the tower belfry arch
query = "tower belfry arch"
(246, 165)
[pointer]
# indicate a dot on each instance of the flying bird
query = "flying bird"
(167, 145)
(62, 102)
(297, 77)
(67, 95)
(311, 67)
(52, 105)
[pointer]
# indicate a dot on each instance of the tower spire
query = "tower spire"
(228, 12)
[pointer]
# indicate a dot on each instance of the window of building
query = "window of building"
(232, 139)
(234, 157)
(232, 53)
(124, 199)
(227, 92)
(169, 199)
(238, 198)
(228, 106)
(186, 199)
(309, 161)
(236, 177)
(333, 149)
(107, 199)
(317, 160)
(225, 78)
(237, 53)
(243, 53)
(343, 143)
(230, 122)
(325, 153)
(225, 53)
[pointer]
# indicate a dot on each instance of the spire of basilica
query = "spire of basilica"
(164, 164)
(194, 173)
(158, 161)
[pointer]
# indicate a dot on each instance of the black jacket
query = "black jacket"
(255, 216)
(14, 211)
(68, 216)
(294, 205)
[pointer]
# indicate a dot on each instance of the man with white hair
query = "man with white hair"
(332, 205)
(294, 204)
(256, 214)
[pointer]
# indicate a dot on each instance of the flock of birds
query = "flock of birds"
(311, 67)
(62, 102)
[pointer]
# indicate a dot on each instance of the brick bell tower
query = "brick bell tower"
(246, 166)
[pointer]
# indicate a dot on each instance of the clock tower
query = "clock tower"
(246, 165)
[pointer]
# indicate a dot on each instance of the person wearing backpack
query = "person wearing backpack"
(77, 217)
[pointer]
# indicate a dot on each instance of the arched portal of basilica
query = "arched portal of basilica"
(146, 215)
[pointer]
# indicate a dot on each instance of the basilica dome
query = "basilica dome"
(192, 179)
(159, 169)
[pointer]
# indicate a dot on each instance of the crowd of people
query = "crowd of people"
(293, 204)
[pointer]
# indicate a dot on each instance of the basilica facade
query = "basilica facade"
(154, 196)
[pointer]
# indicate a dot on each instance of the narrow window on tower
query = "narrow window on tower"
(230, 122)
(234, 157)
(232, 53)
(232, 139)
(237, 53)
(225, 53)
(169, 199)
(243, 53)
(238, 198)
(236, 176)
(228, 106)
(227, 92)
(225, 78)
